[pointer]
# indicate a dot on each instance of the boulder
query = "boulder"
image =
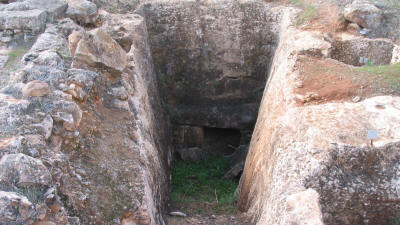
(36, 88)
(364, 13)
(237, 160)
(82, 11)
(358, 51)
(191, 154)
(30, 20)
(14, 207)
(54, 8)
(16, 6)
(48, 41)
(23, 171)
(98, 49)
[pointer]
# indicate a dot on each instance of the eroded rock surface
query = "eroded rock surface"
(322, 148)
(83, 138)
(212, 58)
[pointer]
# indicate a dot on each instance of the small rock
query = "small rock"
(191, 154)
(180, 214)
(66, 118)
(82, 11)
(299, 84)
(356, 99)
(36, 88)
(213, 217)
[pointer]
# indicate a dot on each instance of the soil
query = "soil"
(204, 213)
(327, 80)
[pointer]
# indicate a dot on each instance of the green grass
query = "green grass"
(15, 55)
(202, 182)
(389, 73)
(307, 13)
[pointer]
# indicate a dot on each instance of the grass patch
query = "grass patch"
(202, 182)
(14, 56)
(389, 73)
(307, 13)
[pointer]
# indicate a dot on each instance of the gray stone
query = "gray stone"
(16, 6)
(364, 13)
(66, 119)
(14, 89)
(82, 11)
(23, 171)
(375, 51)
(237, 160)
(49, 41)
(11, 114)
(54, 8)
(191, 154)
(49, 58)
(15, 207)
(45, 127)
(31, 20)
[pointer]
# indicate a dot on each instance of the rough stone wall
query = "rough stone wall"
(313, 164)
(91, 130)
(212, 58)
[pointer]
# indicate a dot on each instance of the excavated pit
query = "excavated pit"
(212, 61)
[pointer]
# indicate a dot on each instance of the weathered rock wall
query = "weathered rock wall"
(85, 115)
(212, 58)
(313, 164)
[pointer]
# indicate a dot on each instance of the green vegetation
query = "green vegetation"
(16, 54)
(202, 182)
(389, 73)
(308, 11)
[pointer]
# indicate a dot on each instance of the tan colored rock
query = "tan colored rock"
(304, 208)
(73, 40)
(97, 48)
(324, 147)
(36, 88)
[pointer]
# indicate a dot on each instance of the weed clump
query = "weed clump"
(202, 182)
(388, 73)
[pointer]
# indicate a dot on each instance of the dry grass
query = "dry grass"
(327, 19)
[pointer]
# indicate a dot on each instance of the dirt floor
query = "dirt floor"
(204, 213)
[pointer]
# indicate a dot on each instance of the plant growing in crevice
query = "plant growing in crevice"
(307, 13)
